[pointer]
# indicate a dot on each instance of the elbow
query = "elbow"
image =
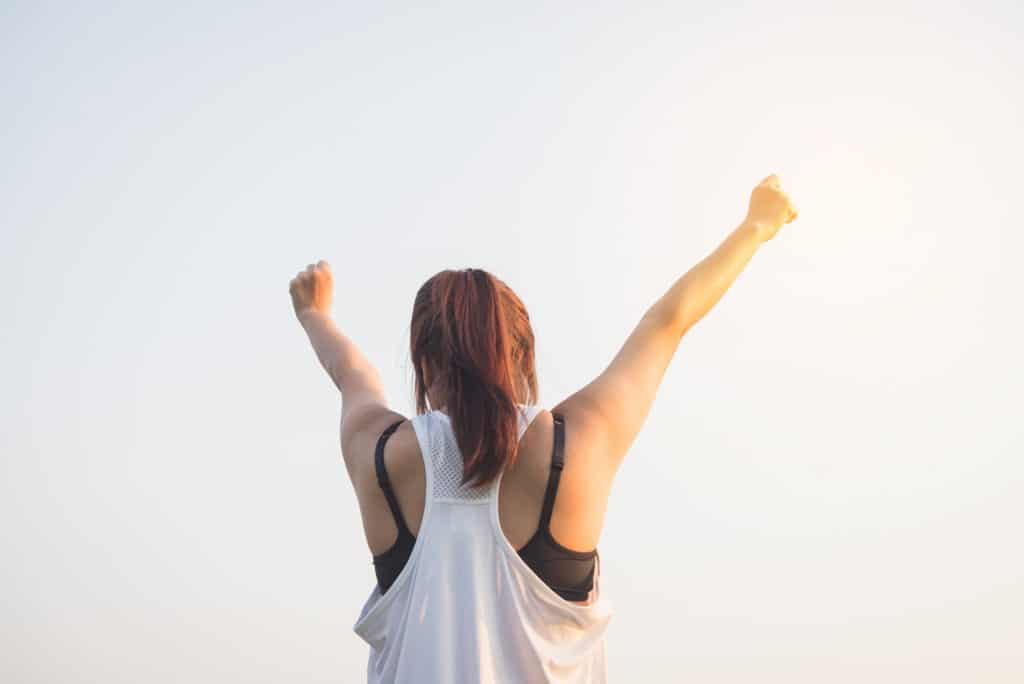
(670, 320)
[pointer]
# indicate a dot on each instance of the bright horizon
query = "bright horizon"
(829, 483)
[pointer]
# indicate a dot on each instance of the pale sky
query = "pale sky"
(830, 484)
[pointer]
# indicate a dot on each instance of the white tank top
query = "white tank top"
(466, 607)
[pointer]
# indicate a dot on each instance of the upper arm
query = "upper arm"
(364, 415)
(609, 411)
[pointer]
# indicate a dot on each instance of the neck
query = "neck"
(444, 408)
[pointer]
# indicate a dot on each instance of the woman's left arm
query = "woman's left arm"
(351, 372)
(362, 392)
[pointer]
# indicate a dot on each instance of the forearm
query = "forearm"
(696, 292)
(338, 354)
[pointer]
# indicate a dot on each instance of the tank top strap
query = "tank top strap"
(526, 415)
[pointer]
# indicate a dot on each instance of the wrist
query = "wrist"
(756, 230)
(310, 314)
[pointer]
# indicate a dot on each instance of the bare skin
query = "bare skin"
(601, 420)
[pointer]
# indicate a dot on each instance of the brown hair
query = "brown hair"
(472, 333)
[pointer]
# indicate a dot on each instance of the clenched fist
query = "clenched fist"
(770, 208)
(312, 289)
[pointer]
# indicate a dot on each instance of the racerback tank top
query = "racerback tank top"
(466, 606)
(568, 572)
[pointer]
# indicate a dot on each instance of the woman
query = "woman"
(483, 514)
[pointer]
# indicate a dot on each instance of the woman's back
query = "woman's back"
(465, 606)
(578, 514)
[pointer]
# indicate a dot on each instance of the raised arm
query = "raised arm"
(362, 392)
(608, 413)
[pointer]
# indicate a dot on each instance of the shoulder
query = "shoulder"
(533, 451)
(361, 429)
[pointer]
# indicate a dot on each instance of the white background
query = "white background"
(829, 486)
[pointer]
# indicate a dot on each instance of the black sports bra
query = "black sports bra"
(569, 573)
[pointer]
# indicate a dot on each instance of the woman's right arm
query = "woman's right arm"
(609, 412)
(694, 294)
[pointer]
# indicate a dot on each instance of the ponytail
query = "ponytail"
(475, 333)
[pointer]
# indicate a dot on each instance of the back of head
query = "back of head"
(471, 339)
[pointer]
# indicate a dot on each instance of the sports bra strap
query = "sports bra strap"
(557, 462)
(384, 482)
